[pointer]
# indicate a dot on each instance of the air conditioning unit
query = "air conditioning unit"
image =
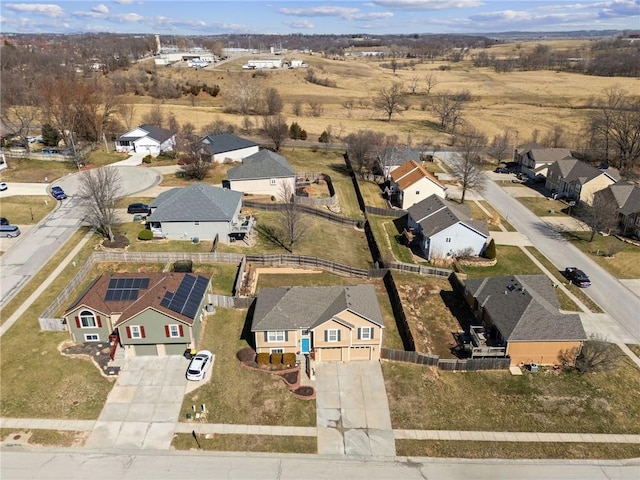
(211, 308)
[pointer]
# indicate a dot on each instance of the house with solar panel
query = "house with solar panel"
(226, 147)
(147, 139)
(145, 314)
(263, 173)
(199, 211)
(331, 323)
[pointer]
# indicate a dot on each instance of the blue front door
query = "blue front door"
(305, 345)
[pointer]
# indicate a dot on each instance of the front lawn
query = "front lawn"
(238, 395)
(623, 264)
(548, 401)
(26, 209)
(35, 171)
(247, 443)
(544, 207)
(511, 261)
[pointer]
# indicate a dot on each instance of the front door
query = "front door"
(305, 344)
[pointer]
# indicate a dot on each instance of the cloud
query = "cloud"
(46, 9)
(515, 19)
(300, 25)
(417, 5)
(345, 13)
(102, 8)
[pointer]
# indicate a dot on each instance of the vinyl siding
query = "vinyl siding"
(461, 237)
(542, 353)
(262, 186)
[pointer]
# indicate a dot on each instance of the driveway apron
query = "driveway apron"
(352, 410)
(144, 405)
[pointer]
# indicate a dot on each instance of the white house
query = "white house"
(199, 211)
(412, 183)
(226, 147)
(263, 173)
(146, 139)
(444, 230)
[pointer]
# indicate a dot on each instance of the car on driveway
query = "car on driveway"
(138, 208)
(199, 365)
(577, 277)
(58, 193)
(3, 186)
(502, 170)
(4, 221)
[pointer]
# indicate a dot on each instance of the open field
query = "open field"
(548, 401)
(514, 450)
(239, 395)
(624, 264)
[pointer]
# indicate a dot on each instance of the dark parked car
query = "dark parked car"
(138, 208)
(577, 277)
(501, 170)
(4, 221)
(58, 193)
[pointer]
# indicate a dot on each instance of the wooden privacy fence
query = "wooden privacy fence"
(52, 324)
(387, 212)
(398, 313)
(420, 269)
(225, 301)
(448, 364)
(306, 261)
(276, 207)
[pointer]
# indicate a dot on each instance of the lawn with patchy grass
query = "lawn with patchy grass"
(47, 438)
(238, 395)
(511, 261)
(132, 229)
(246, 443)
(623, 264)
(548, 401)
(26, 170)
(386, 231)
(27, 209)
(100, 157)
(516, 450)
(275, 280)
(544, 207)
(323, 239)
(372, 194)
(565, 302)
(215, 175)
(495, 214)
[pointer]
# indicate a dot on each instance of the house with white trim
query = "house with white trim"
(226, 147)
(411, 183)
(263, 173)
(147, 139)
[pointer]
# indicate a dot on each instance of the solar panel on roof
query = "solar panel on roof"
(128, 282)
(109, 296)
(144, 283)
(125, 289)
(188, 296)
(112, 282)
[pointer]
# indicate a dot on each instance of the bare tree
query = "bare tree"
(244, 95)
(391, 100)
(273, 101)
(348, 105)
(431, 82)
(293, 224)
(127, 112)
(387, 152)
(601, 216)
(99, 188)
(154, 116)
(448, 108)
(296, 107)
(18, 113)
(597, 355)
(360, 146)
(466, 166)
(195, 167)
(555, 137)
(413, 85)
(276, 129)
(500, 147)
(316, 108)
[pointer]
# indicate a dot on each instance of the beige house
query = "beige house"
(521, 320)
(263, 173)
(625, 199)
(412, 183)
(535, 160)
(330, 323)
(576, 180)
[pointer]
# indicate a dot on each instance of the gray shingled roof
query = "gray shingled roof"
(434, 214)
(525, 308)
(627, 197)
(157, 133)
(573, 170)
(263, 164)
(400, 155)
(197, 202)
(294, 308)
(548, 155)
(224, 142)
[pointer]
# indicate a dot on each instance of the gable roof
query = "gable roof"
(294, 308)
(411, 172)
(263, 164)
(225, 142)
(547, 155)
(626, 195)
(573, 170)
(94, 297)
(197, 202)
(434, 214)
(525, 308)
(157, 133)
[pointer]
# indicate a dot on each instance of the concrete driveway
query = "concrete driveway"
(352, 410)
(144, 405)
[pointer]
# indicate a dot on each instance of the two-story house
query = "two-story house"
(624, 197)
(535, 160)
(411, 182)
(576, 180)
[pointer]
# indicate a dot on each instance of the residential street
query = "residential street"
(621, 305)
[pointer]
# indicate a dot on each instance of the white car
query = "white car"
(3, 186)
(199, 365)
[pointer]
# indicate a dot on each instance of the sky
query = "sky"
(213, 17)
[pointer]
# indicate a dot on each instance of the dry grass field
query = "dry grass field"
(516, 101)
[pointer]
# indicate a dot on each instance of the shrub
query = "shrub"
(276, 359)
(147, 159)
(324, 137)
(490, 252)
(262, 359)
(145, 235)
(289, 358)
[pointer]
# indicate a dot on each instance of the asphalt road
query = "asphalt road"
(621, 305)
(33, 249)
(43, 464)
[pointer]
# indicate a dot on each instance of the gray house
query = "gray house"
(148, 314)
(199, 211)
(443, 229)
(222, 147)
(535, 160)
(263, 173)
